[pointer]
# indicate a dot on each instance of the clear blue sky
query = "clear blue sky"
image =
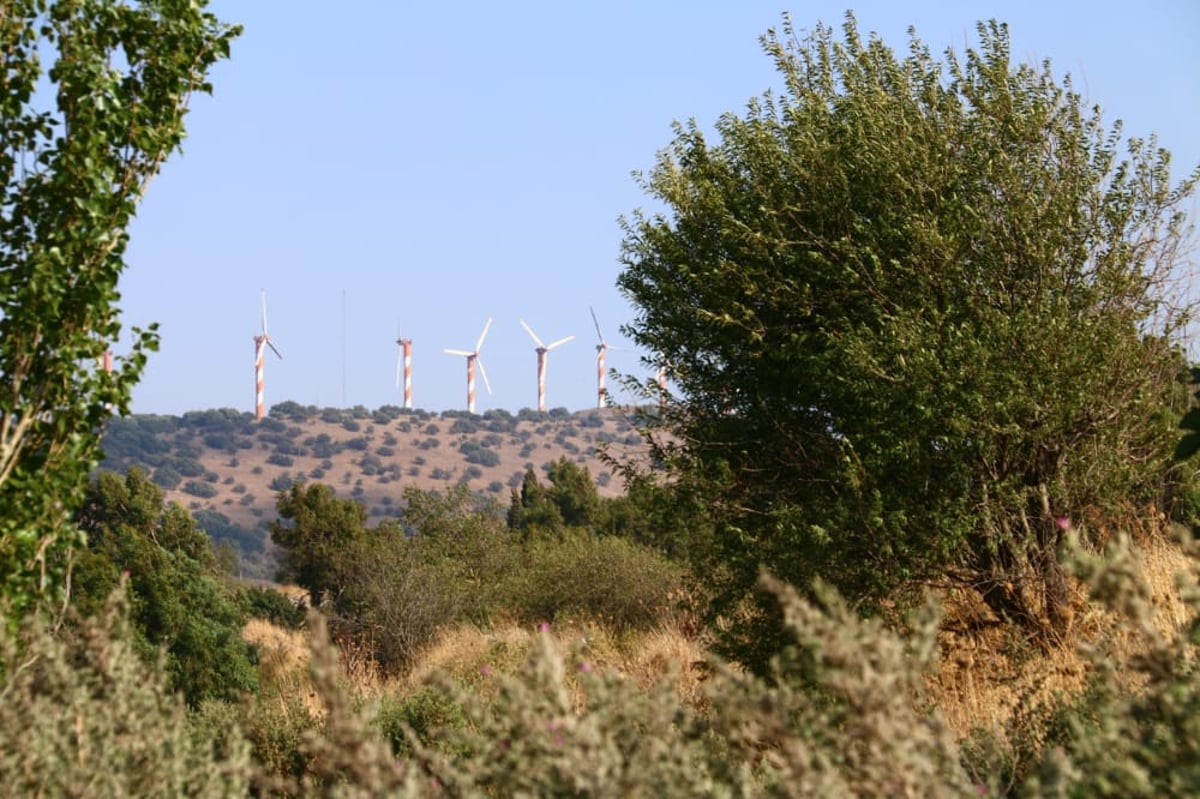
(438, 163)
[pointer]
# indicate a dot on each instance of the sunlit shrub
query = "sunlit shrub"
(82, 715)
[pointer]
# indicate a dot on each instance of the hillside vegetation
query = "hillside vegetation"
(916, 518)
(228, 468)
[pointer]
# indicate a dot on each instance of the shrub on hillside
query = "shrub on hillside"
(166, 477)
(483, 456)
(463, 426)
(282, 482)
(199, 488)
(608, 579)
(397, 598)
(270, 605)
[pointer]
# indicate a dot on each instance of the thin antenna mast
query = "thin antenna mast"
(343, 348)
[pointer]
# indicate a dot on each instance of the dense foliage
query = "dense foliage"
(79, 142)
(177, 602)
(918, 312)
(84, 714)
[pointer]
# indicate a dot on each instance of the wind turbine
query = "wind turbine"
(404, 362)
(472, 357)
(601, 349)
(260, 343)
(542, 349)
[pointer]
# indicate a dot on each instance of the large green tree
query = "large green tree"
(79, 143)
(314, 529)
(918, 312)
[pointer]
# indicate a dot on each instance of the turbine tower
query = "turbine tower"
(260, 345)
(473, 357)
(662, 382)
(404, 366)
(542, 349)
(601, 349)
(106, 363)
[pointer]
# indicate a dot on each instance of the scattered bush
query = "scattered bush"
(463, 426)
(166, 477)
(282, 482)
(200, 489)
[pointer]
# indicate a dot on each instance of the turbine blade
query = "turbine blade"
(483, 374)
(399, 364)
(596, 322)
(532, 335)
(560, 342)
(483, 335)
(278, 354)
(263, 299)
(458, 352)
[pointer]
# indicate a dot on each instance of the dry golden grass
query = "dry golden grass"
(471, 656)
(283, 663)
(989, 678)
(989, 675)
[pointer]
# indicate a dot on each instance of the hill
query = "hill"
(227, 468)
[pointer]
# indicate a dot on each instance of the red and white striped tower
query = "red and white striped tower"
(106, 363)
(542, 349)
(600, 393)
(601, 349)
(260, 344)
(662, 384)
(471, 383)
(472, 357)
(404, 366)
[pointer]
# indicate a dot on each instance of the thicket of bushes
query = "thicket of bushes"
(841, 714)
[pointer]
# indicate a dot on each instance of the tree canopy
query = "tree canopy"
(176, 600)
(920, 316)
(79, 143)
